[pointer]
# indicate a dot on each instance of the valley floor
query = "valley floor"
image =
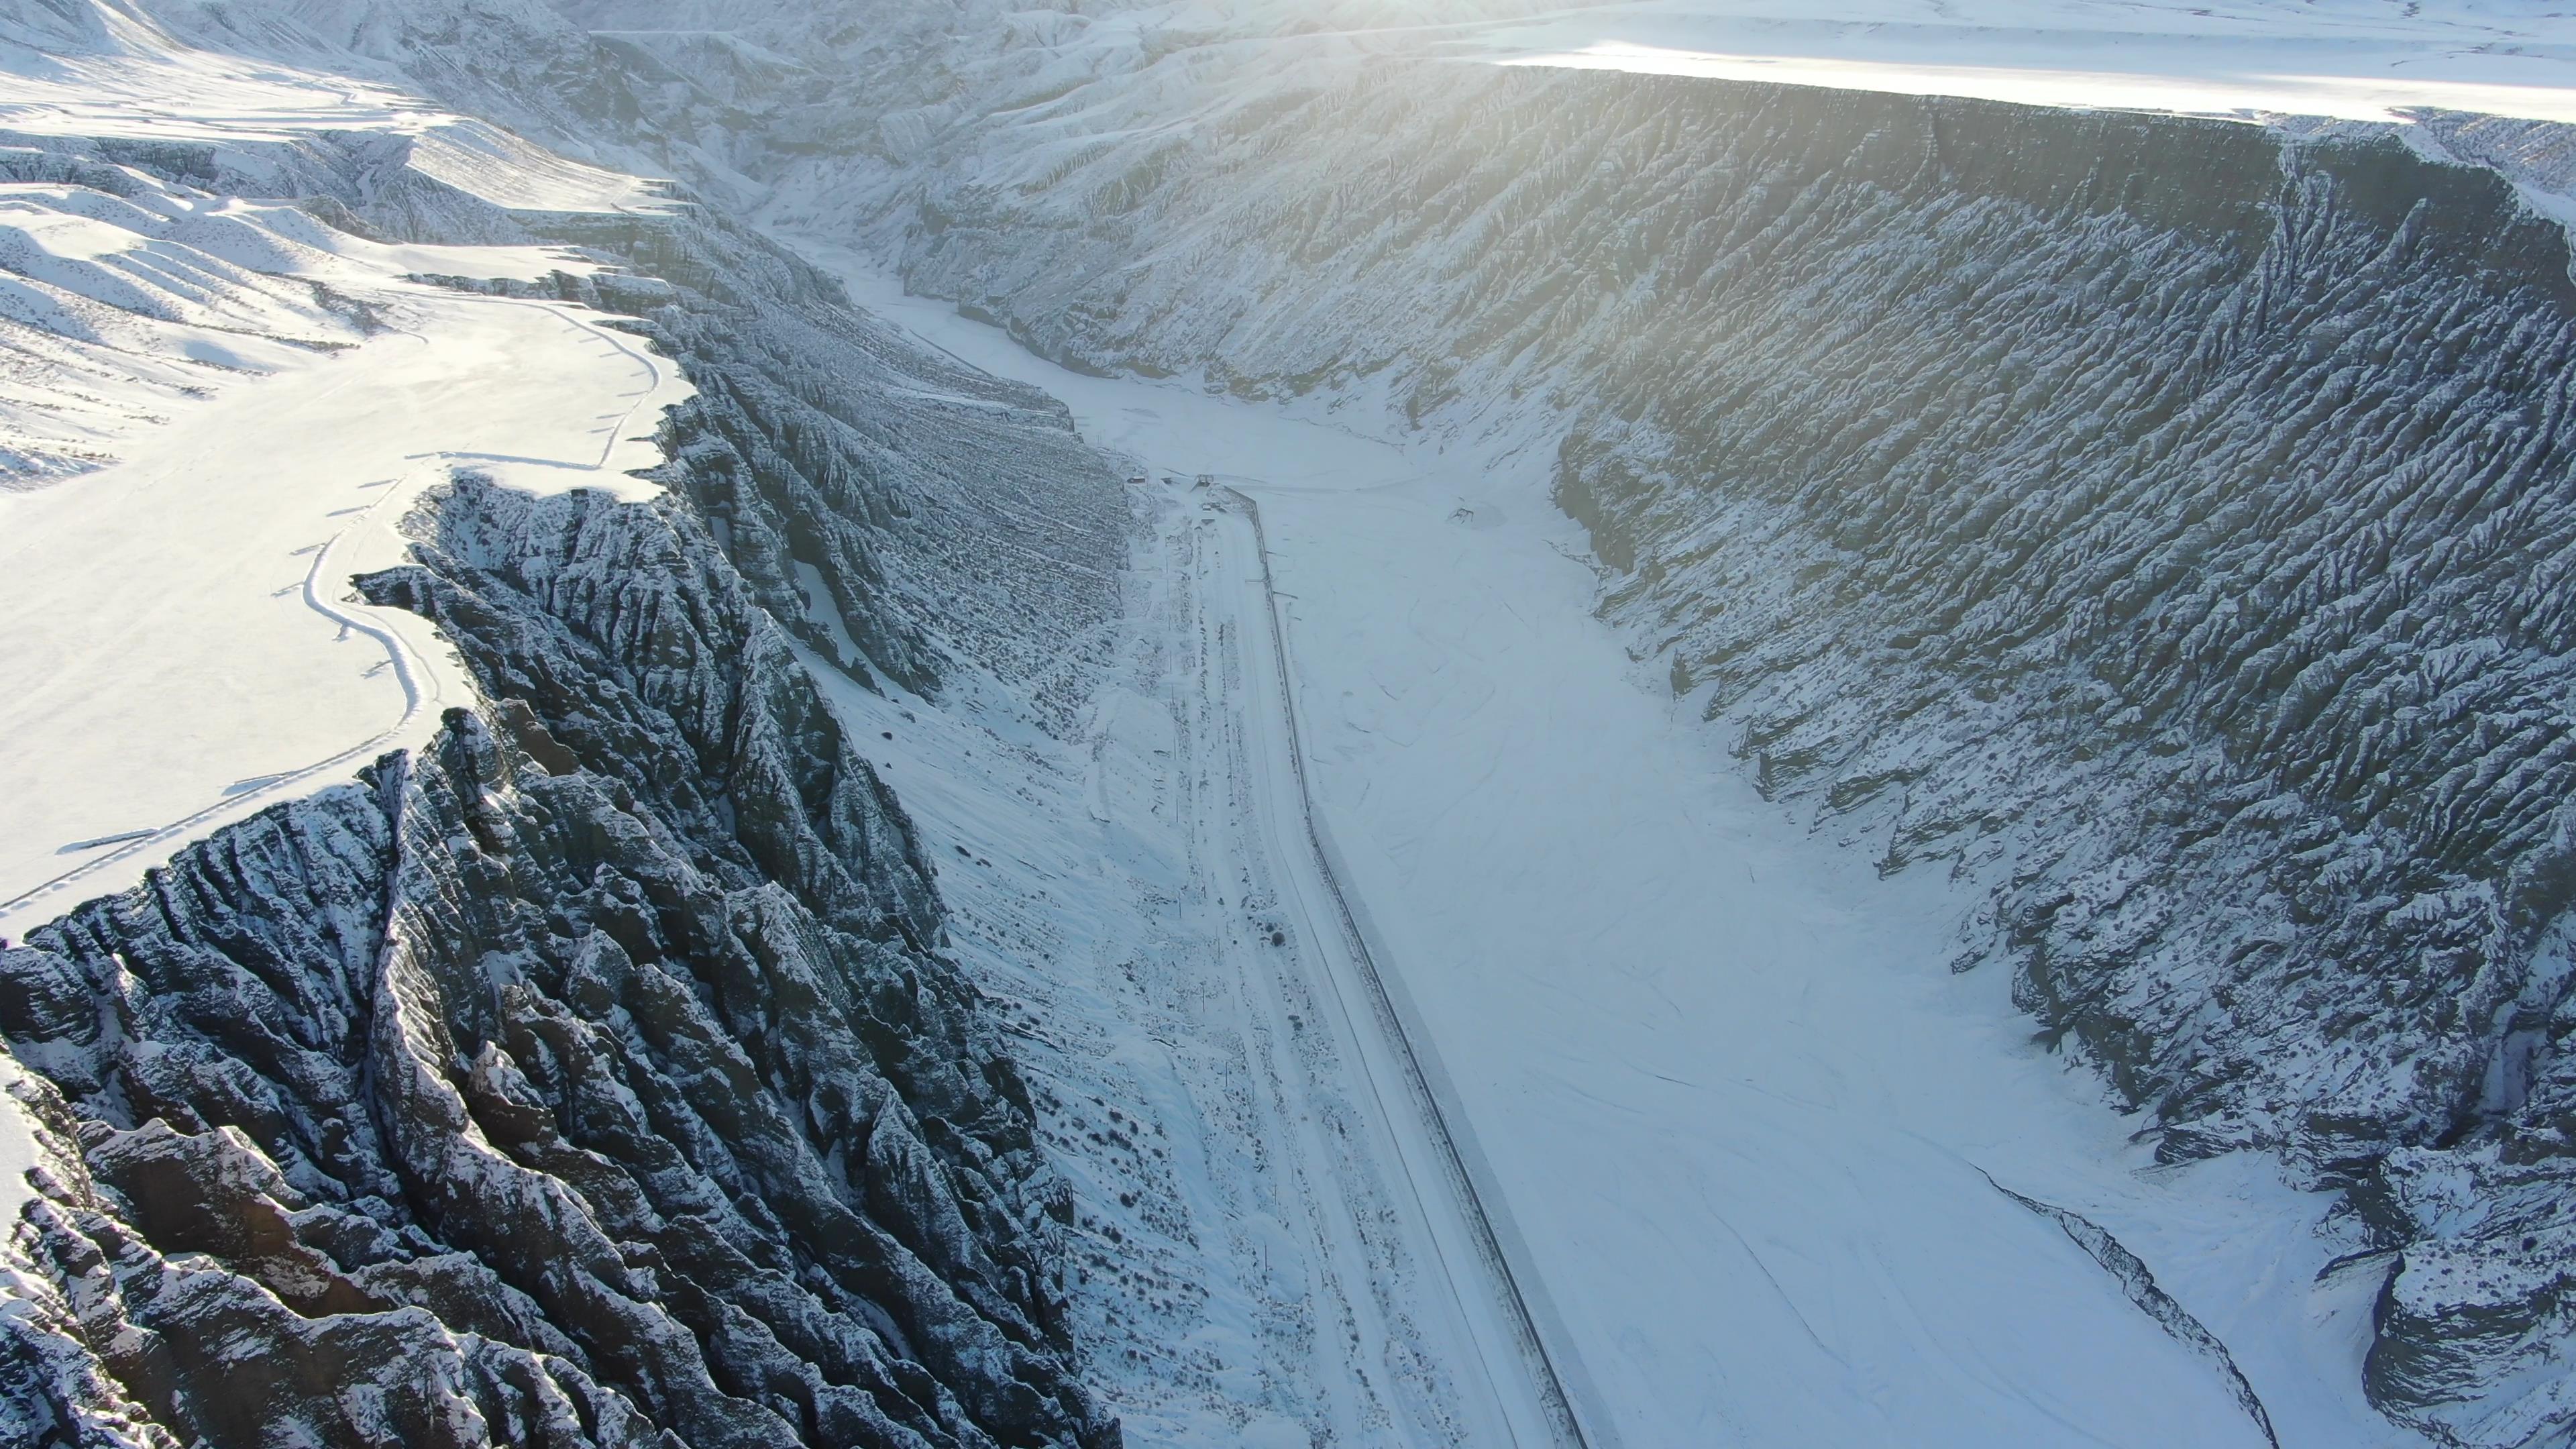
(1269, 1249)
(1738, 1116)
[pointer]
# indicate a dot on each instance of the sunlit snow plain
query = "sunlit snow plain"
(214, 413)
(1740, 1115)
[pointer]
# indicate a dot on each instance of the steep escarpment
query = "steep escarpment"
(595, 1075)
(901, 513)
(590, 1078)
(2163, 522)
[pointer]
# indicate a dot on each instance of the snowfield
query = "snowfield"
(2247, 59)
(214, 412)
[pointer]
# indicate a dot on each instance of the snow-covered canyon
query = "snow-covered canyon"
(1716, 1068)
(1753, 764)
(1837, 379)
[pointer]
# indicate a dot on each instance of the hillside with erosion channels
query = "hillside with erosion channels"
(2160, 529)
(594, 1072)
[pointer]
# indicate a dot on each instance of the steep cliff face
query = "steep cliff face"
(590, 1078)
(595, 1075)
(2164, 522)
(903, 514)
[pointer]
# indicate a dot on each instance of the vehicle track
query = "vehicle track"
(1521, 1306)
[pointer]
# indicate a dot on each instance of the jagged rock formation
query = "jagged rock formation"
(595, 1077)
(901, 513)
(590, 1079)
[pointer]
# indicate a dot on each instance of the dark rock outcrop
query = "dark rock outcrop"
(589, 1079)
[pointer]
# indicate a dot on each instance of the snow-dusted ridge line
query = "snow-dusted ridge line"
(1559, 1388)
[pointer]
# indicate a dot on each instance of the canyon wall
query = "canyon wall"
(2164, 524)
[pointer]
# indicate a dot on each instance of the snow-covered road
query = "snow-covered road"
(1738, 1107)
(1505, 1353)
(1278, 1255)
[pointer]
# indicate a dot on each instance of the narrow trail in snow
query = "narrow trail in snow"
(419, 687)
(1414, 1114)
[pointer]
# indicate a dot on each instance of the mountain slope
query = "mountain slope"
(516, 1095)
(594, 1073)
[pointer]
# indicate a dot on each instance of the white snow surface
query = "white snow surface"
(2366, 60)
(1735, 1115)
(212, 413)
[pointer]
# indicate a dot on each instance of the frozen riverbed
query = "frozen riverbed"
(1741, 1113)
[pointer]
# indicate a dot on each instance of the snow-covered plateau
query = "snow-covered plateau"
(1287, 722)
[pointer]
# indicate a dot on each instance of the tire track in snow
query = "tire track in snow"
(1523, 1301)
